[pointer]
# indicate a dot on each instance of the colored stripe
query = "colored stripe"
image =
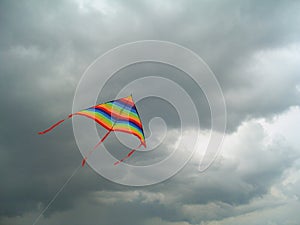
(123, 106)
(102, 114)
(116, 110)
(128, 123)
(138, 133)
(105, 119)
(123, 126)
(105, 125)
(128, 132)
(116, 117)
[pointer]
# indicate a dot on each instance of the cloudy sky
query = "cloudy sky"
(253, 48)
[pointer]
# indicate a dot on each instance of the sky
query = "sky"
(252, 47)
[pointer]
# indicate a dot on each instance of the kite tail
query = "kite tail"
(91, 151)
(55, 125)
(105, 136)
(83, 161)
(128, 155)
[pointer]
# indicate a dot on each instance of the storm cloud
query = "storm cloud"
(252, 47)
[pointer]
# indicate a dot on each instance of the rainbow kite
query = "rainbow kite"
(117, 115)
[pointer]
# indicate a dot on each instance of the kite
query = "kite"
(117, 115)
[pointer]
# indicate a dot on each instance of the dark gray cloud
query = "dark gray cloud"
(45, 46)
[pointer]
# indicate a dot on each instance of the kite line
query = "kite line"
(56, 195)
(110, 116)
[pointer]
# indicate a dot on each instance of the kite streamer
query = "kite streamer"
(118, 115)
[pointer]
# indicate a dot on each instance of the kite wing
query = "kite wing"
(118, 115)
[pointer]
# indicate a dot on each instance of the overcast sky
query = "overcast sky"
(253, 48)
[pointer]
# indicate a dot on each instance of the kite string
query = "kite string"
(100, 142)
(56, 195)
(92, 150)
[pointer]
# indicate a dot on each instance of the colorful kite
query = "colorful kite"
(117, 115)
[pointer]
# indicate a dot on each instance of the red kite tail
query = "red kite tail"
(91, 151)
(105, 136)
(54, 125)
(128, 155)
(83, 161)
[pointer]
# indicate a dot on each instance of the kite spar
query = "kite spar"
(118, 115)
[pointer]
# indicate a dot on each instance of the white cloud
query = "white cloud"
(162, 222)
(103, 6)
(111, 197)
(286, 214)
